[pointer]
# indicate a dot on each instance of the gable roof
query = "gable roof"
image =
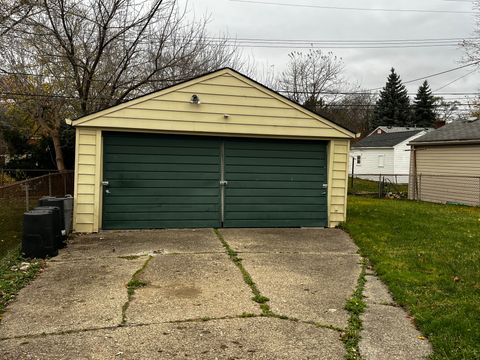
(455, 132)
(385, 140)
(392, 129)
(235, 91)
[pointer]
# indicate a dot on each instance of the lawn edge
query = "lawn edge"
(13, 259)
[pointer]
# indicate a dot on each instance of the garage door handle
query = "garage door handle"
(223, 182)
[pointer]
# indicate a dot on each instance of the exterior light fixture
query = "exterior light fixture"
(195, 99)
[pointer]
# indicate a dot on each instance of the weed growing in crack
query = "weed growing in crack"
(247, 315)
(260, 299)
(257, 296)
(132, 285)
(355, 306)
(135, 284)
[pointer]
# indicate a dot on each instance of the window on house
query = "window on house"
(359, 159)
(381, 160)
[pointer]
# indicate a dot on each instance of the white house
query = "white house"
(384, 154)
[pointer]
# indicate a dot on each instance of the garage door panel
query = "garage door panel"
(272, 192)
(278, 153)
(162, 150)
(153, 224)
(277, 177)
(164, 167)
(157, 140)
(162, 175)
(149, 216)
(271, 144)
(280, 162)
(159, 159)
(275, 183)
(254, 168)
(316, 208)
(163, 192)
(294, 185)
(169, 183)
(297, 200)
(126, 208)
(279, 215)
(161, 181)
(145, 200)
(276, 223)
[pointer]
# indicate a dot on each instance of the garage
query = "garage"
(217, 151)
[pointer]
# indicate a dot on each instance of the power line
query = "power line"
(340, 44)
(343, 40)
(436, 74)
(343, 47)
(352, 8)
(454, 81)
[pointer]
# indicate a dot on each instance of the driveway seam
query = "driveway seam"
(355, 306)
(193, 320)
(330, 253)
(258, 297)
(247, 278)
(137, 255)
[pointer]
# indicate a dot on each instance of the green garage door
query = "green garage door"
(157, 181)
(275, 183)
(173, 181)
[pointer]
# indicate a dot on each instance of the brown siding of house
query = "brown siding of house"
(448, 173)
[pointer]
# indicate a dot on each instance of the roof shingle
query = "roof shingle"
(385, 140)
(455, 131)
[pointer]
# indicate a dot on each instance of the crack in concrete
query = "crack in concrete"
(298, 253)
(192, 320)
(233, 255)
(355, 306)
(138, 255)
(132, 285)
(266, 311)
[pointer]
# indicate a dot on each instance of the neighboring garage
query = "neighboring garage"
(218, 150)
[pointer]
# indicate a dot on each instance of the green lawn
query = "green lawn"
(11, 214)
(12, 278)
(429, 256)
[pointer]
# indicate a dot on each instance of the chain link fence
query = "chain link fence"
(21, 196)
(445, 189)
(379, 185)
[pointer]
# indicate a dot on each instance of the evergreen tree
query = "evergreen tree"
(393, 106)
(423, 107)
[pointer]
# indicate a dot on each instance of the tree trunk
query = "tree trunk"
(58, 151)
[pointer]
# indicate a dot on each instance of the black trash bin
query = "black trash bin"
(38, 240)
(58, 202)
(57, 217)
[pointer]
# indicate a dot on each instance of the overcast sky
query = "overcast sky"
(367, 67)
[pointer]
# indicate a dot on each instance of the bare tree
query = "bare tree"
(99, 53)
(13, 12)
(354, 111)
(312, 79)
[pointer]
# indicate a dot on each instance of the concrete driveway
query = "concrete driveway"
(231, 294)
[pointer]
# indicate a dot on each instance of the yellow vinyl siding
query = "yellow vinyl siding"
(86, 180)
(251, 109)
(456, 163)
(338, 153)
(229, 128)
